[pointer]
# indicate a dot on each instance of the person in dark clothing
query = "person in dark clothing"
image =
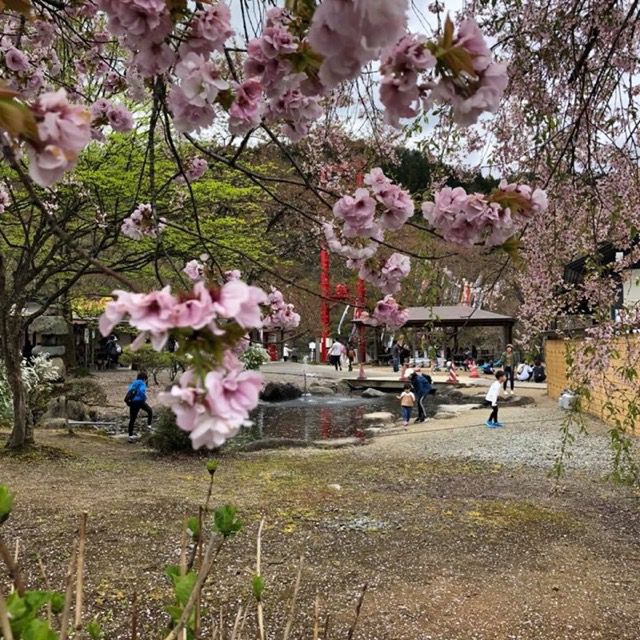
(114, 350)
(395, 356)
(421, 388)
(137, 394)
(27, 351)
(539, 374)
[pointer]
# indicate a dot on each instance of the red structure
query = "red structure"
(325, 292)
(341, 293)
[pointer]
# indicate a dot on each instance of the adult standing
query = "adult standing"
(395, 356)
(286, 352)
(114, 350)
(510, 362)
(335, 353)
(421, 388)
(351, 355)
(136, 398)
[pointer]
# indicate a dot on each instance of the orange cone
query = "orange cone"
(453, 376)
(473, 371)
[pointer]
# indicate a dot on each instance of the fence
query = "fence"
(608, 387)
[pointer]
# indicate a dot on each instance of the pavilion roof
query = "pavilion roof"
(458, 315)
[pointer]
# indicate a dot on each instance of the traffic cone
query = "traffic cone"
(473, 370)
(453, 377)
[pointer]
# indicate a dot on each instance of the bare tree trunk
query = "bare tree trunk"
(22, 433)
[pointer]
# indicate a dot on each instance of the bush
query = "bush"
(167, 436)
(254, 357)
(38, 376)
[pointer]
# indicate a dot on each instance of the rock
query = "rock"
(372, 431)
(373, 393)
(52, 423)
(335, 487)
(58, 363)
(378, 417)
(321, 390)
(458, 408)
(337, 443)
(85, 390)
(280, 392)
(61, 407)
(444, 415)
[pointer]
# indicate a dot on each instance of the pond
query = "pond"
(324, 417)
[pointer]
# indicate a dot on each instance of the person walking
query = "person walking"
(492, 400)
(510, 362)
(407, 400)
(421, 387)
(395, 356)
(335, 353)
(114, 350)
(136, 398)
(351, 355)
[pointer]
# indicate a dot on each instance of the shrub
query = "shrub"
(38, 376)
(167, 437)
(254, 356)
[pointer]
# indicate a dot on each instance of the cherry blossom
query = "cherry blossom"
(358, 214)
(64, 130)
(142, 223)
(209, 30)
(200, 80)
(387, 275)
(388, 313)
(281, 315)
(117, 116)
(213, 410)
(246, 111)
(5, 200)
(194, 270)
(195, 169)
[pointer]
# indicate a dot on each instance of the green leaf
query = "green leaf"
(225, 520)
(172, 571)
(38, 630)
(36, 599)
(258, 586)
(212, 466)
(6, 502)
(183, 586)
(95, 630)
(57, 602)
(193, 525)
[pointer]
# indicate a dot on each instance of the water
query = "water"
(325, 417)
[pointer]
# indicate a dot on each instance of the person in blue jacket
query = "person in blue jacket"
(421, 388)
(137, 399)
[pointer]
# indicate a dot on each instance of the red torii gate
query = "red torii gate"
(326, 299)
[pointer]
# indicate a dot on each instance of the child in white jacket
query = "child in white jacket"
(492, 399)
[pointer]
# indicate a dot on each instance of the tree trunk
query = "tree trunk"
(22, 433)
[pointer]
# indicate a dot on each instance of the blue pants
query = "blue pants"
(406, 413)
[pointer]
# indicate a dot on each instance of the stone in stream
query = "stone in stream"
(373, 393)
(321, 390)
(280, 392)
(378, 418)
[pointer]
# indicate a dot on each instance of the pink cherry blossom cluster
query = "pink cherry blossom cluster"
(5, 200)
(358, 212)
(195, 169)
(158, 313)
(388, 313)
(194, 270)
(118, 117)
(472, 87)
(209, 29)
(142, 222)
(63, 131)
(288, 93)
(469, 219)
(385, 274)
(400, 91)
(348, 35)
(192, 99)
(471, 95)
(144, 26)
(355, 249)
(281, 315)
(213, 409)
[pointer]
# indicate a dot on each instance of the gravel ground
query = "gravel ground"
(531, 437)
